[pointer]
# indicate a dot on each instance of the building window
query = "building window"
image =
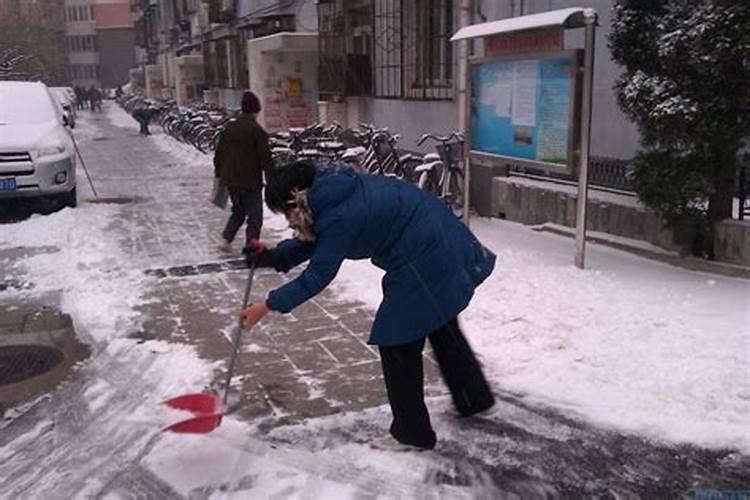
(387, 35)
(412, 53)
(428, 60)
(222, 66)
(82, 13)
(91, 12)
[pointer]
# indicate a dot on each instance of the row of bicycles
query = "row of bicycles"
(375, 150)
(366, 148)
(199, 126)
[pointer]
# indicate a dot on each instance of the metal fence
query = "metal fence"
(610, 173)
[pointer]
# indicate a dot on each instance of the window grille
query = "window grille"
(413, 57)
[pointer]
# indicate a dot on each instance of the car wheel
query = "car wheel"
(70, 199)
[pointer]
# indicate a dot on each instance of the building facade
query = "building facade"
(100, 42)
(400, 67)
(198, 50)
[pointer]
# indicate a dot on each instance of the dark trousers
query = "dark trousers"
(144, 127)
(404, 381)
(247, 205)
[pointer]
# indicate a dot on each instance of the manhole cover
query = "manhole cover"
(21, 362)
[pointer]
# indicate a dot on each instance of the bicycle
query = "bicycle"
(443, 174)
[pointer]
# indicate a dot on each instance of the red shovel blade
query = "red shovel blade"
(206, 407)
(198, 425)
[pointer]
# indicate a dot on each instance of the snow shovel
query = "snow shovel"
(207, 407)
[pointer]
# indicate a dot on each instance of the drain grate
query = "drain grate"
(21, 362)
(17, 284)
(193, 270)
(101, 138)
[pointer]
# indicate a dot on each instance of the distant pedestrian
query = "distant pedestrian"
(143, 114)
(95, 98)
(242, 156)
(432, 264)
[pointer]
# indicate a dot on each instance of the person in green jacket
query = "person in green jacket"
(242, 156)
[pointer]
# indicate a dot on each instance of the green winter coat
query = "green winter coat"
(243, 154)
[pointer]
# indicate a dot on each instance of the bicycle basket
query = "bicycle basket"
(452, 153)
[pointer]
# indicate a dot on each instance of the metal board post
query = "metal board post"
(583, 166)
(463, 102)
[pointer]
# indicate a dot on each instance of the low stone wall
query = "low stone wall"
(732, 242)
(532, 201)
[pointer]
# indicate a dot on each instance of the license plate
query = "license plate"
(8, 184)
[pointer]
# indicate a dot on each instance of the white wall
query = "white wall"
(411, 119)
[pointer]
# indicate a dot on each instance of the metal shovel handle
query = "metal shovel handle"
(238, 333)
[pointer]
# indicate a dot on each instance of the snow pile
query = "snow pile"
(119, 117)
(628, 343)
(185, 154)
(79, 259)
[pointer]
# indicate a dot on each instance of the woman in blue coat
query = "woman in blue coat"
(432, 265)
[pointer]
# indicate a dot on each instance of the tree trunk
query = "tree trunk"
(720, 202)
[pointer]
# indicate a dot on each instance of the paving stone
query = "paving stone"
(8, 318)
(46, 320)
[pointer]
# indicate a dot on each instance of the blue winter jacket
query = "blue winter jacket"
(432, 262)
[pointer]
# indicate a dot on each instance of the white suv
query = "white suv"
(37, 156)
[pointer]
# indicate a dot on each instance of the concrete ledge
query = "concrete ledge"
(651, 252)
(534, 201)
(732, 242)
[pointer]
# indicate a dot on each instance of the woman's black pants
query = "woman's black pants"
(404, 381)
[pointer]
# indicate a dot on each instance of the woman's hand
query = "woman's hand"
(252, 314)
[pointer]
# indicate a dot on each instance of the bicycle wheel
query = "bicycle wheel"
(429, 180)
(453, 191)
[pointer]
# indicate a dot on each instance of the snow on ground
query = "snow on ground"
(119, 117)
(79, 257)
(628, 343)
(71, 253)
(185, 154)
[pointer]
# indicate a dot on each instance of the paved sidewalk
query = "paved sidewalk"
(311, 363)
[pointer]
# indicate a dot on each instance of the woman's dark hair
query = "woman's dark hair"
(284, 180)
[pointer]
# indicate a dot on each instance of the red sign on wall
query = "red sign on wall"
(525, 41)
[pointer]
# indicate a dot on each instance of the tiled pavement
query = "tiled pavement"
(311, 362)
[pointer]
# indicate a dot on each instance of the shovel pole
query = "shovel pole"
(238, 333)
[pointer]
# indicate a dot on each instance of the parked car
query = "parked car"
(37, 155)
(66, 97)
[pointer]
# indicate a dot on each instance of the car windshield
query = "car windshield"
(25, 105)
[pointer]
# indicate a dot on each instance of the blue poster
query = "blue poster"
(521, 108)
